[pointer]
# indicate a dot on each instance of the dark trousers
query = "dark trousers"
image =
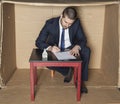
(85, 56)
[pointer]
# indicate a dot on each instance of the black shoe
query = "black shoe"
(68, 77)
(84, 88)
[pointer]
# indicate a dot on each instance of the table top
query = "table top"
(36, 56)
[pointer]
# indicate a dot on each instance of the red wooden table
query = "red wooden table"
(36, 60)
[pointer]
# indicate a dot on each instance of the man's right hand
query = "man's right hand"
(54, 49)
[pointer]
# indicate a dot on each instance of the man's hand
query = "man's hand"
(75, 50)
(54, 49)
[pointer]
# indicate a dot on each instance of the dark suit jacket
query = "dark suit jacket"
(49, 34)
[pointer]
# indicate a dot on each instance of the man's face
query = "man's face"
(66, 22)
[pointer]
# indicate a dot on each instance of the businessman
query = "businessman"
(65, 32)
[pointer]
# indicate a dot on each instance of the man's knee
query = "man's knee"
(85, 52)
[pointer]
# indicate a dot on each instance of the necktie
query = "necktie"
(62, 40)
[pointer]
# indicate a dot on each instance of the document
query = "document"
(64, 55)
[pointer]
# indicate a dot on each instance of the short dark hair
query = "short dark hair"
(70, 12)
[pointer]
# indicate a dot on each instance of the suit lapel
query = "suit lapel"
(70, 34)
(57, 31)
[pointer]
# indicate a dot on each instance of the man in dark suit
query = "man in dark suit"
(65, 32)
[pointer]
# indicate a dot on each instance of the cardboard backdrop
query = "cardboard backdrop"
(22, 23)
(29, 20)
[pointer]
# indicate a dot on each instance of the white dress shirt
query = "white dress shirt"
(66, 36)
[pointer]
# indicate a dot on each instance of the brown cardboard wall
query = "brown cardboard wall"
(8, 50)
(30, 19)
(110, 50)
(119, 49)
(92, 18)
(22, 24)
(0, 45)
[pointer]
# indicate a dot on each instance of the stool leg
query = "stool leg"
(32, 82)
(52, 73)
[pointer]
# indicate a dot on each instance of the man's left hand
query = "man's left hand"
(75, 50)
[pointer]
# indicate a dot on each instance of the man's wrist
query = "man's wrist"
(49, 48)
(78, 47)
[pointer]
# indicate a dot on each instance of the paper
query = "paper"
(64, 55)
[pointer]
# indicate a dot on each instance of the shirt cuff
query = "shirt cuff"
(48, 47)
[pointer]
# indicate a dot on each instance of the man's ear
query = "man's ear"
(61, 16)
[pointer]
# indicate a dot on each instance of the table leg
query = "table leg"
(79, 83)
(32, 82)
(75, 76)
(35, 75)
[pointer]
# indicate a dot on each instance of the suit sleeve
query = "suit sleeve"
(80, 36)
(41, 41)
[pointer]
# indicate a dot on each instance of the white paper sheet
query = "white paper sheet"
(64, 55)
